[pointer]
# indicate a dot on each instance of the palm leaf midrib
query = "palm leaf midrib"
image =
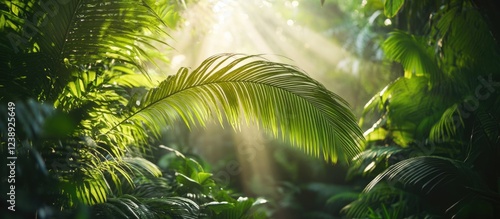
(202, 85)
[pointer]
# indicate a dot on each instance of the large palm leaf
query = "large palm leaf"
(282, 99)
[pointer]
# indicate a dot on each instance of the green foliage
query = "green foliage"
(87, 112)
(436, 137)
(184, 191)
(69, 37)
(412, 53)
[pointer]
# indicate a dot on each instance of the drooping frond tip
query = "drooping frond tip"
(283, 100)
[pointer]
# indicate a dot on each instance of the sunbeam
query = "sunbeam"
(245, 27)
(251, 27)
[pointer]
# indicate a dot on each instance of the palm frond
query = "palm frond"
(413, 53)
(75, 35)
(282, 99)
(426, 173)
(446, 127)
(101, 93)
(91, 30)
(89, 174)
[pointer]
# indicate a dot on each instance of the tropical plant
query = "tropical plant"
(75, 74)
(436, 144)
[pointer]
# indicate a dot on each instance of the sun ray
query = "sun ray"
(251, 27)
